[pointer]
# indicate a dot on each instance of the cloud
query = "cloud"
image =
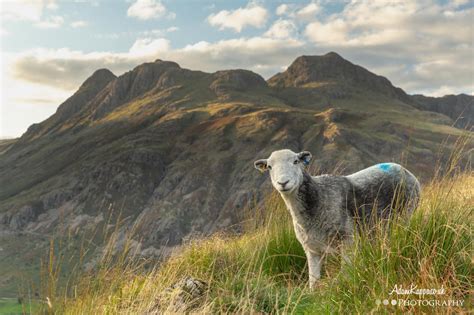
(66, 69)
(172, 29)
(23, 103)
(260, 54)
(412, 43)
(282, 9)
(80, 23)
(334, 32)
(281, 29)
(22, 10)
(299, 12)
(251, 15)
(148, 47)
(25, 10)
(52, 5)
(146, 9)
(51, 22)
(308, 12)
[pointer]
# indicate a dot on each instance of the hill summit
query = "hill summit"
(332, 69)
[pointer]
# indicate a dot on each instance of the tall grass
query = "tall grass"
(264, 269)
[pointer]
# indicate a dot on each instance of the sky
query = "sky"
(49, 47)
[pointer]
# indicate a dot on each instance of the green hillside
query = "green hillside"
(264, 270)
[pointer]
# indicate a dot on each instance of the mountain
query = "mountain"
(87, 91)
(171, 149)
(333, 70)
(459, 107)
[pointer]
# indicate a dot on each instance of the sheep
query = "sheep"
(326, 209)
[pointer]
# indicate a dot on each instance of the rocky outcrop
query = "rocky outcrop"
(236, 80)
(181, 297)
(459, 107)
(17, 220)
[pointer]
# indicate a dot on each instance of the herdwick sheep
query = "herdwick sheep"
(326, 209)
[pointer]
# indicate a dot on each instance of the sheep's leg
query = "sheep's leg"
(314, 267)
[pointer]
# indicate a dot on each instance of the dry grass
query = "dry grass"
(264, 270)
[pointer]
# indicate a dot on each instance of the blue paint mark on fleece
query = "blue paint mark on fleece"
(385, 166)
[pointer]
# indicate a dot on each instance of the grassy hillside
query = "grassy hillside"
(263, 270)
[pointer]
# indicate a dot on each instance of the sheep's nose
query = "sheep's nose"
(283, 184)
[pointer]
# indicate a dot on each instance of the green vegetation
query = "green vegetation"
(264, 270)
(12, 307)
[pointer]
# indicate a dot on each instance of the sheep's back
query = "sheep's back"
(383, 187)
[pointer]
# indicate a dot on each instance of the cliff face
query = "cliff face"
(172, 149)
(459, 107)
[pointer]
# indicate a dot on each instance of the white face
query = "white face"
(286, 169)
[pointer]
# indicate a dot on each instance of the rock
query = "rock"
(236, 80)
(182, 296)
(22, 217)
(460, 108)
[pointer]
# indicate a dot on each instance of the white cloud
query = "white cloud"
(23, 103)
(52, 5)
(333, 32)
(25, 10)
(282, 9)
(80, 23)
(281, 29)
(308, 12)
(458, 3)
(51, 22)
(22, 10)
(251, 15)
(300, 12)
(66, 69)
(149, 46)
(146, 9)
(418, 36)
(172, 29)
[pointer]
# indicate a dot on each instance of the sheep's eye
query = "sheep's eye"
(269, 167)
(296, 162)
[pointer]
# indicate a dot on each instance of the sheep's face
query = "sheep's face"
(286, 169)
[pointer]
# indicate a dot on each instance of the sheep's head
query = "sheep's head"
(286, 169)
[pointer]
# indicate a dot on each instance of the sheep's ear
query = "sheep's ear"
(261, 165)
(305, 157)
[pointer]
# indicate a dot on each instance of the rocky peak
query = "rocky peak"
(91, 87)
(98, 79)
(236, 80)
(88, 90)
(332, 68)
(166, 63)
(142, 79)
